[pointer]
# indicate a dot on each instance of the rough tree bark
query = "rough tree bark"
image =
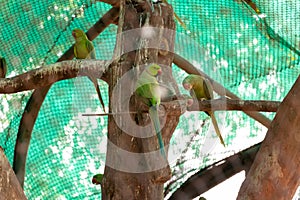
(9, 185)
(134, 168)
(274, 173)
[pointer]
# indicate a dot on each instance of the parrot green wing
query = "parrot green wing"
(150, 92)
(84, 49)
(75, 51)
(208, 90)
(90, 49)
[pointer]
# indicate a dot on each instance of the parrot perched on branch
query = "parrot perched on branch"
(84, 49)
(148, 88)
(200, 88)
(3, 67)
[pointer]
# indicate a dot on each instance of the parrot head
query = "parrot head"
(154, 69)
(97, 179)
(78, 33)
(187, 83)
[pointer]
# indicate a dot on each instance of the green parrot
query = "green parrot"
(97, 179)
(200, 88)
(84, 49)
(148, 88)
(3, 67)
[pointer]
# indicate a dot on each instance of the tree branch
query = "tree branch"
(47, 75)
(235, 104)
(212, 175)
(178, 107)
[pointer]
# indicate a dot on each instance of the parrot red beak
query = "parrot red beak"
(159, 72)
(73, 34)
(94, 181)
(187, 86)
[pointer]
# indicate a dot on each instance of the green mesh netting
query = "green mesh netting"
(67, 149)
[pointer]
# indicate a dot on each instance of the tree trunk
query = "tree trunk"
(134, 167)
(9, 185)
(275, 171)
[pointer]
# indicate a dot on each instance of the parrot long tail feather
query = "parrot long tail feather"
(177, 17)
(155, 119)
(215, 124)
(94, 81)
(180, 21)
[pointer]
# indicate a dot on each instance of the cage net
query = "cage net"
(254, 53)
